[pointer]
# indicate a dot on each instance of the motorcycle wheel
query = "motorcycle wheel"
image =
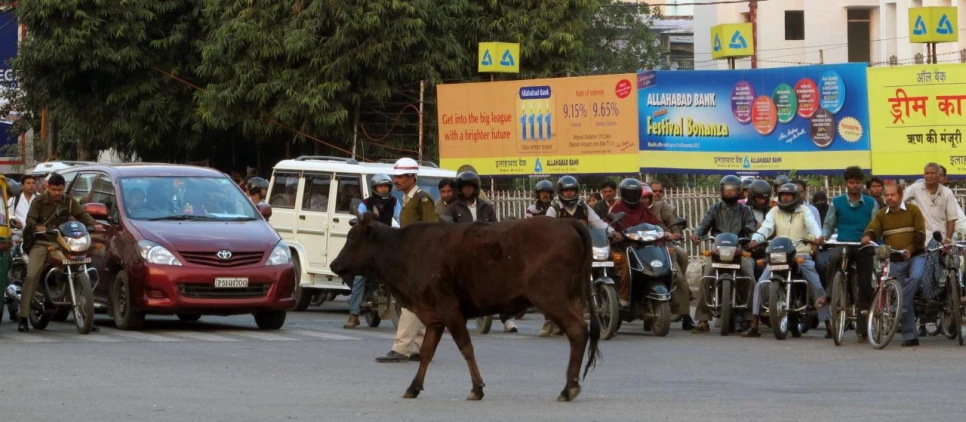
(883, 321)
(662, 318)
(840, 307)
(395, 310)
(608, 310)
(725, 322)
(83, 303)
(778, 311)
(372, 318)
(484, 323)
(39, 319)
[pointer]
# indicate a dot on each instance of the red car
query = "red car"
(181, 240)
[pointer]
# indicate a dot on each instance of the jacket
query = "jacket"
(723, 218)
(419, 209)
(47, 212)
(459, 210)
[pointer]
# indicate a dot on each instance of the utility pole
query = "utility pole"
(753, 16)
(422, 91)
(355, 132)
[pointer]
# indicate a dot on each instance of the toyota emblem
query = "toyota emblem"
(224, 254)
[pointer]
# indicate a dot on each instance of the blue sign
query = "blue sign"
(487, 59)
(507, 59)
(8, 47)
(812, 119)
(920, 28)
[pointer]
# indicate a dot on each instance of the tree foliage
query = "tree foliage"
(619, 38)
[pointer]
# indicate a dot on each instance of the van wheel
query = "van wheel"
(303, 297)
(125, 316)
(269, 320)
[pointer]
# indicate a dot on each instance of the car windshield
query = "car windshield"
(185, 198)
(428, 184)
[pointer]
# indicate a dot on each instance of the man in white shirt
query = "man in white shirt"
(19, 205)
(938, 205)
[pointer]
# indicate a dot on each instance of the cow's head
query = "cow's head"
(361, 246)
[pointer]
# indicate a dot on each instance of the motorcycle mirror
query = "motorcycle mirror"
(616, 217)
(353, 222)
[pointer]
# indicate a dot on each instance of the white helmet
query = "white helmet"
(405, 166)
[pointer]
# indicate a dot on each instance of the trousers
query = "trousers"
(37, 257)
(358, 291)
(409, 334)
(909, 273)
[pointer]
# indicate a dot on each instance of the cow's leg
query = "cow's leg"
(571, 320)
(456, 325)
(430, 341)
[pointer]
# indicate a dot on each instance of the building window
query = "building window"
(794, 25)
(860, 34)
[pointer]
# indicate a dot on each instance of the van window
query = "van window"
(284, 190)
(428, 184)
(349, 189)
(81, 188)
(315, 197)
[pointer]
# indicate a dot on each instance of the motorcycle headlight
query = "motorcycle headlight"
(727, 253)
(778, 258)
(648, 236)
(601, 253)
(281, 256)
(79, 244)
(157, 254)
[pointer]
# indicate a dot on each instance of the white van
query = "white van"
(311, 199)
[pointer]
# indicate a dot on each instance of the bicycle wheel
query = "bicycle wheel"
(885, 314)
(954, 309)
(840, 304)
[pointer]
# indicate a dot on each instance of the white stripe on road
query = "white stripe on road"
(375, 334)
(204, 336)
(260, 336)
(319, 334)
(146, 337)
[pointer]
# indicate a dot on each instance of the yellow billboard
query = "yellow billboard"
(585, 125)
(732, 40)
(916, 117)
(499, 57)
(933, 24)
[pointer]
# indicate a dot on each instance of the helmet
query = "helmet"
(567, 183)
(468, 177)
(733, 182)
(380, 180)
(14, 188)
(781, 180)
(405, 166)
(759, 188)
(796, 200)
(257, 185)
(543, 186)
(746, 183)
(632, 191)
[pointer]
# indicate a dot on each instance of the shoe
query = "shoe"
(414, 357)
(547, 329)
(392, 356)
(687, 323)
(352, 322)
(624, 303)
(700, 327)
(23, 326)
(509, 326)
(910, 343)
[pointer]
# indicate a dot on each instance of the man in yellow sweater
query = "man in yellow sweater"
(903, 227)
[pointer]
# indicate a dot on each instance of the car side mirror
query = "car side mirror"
(96, 210)
(354, 206)
(265, 210)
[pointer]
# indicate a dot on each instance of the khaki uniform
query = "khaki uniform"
(51, 214)
(417, 207)
(680, 297)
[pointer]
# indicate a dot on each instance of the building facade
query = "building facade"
(795, 32)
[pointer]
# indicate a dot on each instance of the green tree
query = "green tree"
(619, 38)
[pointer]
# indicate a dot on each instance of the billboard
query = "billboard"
(812, 119)
(585, 125)
(916, 114)
(10, 142)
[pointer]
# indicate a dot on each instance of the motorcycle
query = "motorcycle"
(789, 303)
(651, 268)
(378, 304)
(18, 272)
(605, 290)
(724, 290)
(67, 281)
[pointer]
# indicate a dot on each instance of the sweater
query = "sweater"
(902, 229)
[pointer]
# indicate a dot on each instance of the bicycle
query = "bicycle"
(844, 294)
(885, 313)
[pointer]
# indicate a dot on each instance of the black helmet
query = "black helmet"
(568, 183)
(781, 180)
(796, 200)
(380, 180)
(470, 178)
(632, 191)
(746, 183)
(257, 185)
(730, 181)
(759, 189)
(543, 185)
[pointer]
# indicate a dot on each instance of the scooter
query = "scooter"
(652, 273)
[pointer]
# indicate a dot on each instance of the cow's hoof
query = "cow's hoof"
(411, 393)
(569, 394)
(476, 394)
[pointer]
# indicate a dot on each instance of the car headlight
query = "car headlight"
(79, 244)
(727, 253)
(157, 254)
(778, 258)
(280, 255)
(601, 253)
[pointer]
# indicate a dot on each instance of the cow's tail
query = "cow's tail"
(588, 296)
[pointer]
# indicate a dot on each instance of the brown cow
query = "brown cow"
(448, 273)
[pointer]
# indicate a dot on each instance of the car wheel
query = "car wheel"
(303, 297)
(125, 316)
(269, 320)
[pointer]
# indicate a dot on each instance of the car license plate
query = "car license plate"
(231, 283)
(779, 267)
(728, 266)
(600, 264)
(77, 261)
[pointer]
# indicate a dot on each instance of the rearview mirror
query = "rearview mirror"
(354, 206)
(96, 210)
(265, 210)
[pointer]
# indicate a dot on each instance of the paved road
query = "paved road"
(223, 369)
